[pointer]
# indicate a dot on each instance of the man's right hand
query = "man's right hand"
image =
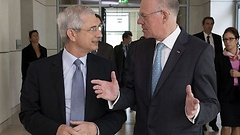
(106, 90)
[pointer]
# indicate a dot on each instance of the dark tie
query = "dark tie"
(125, 50)
(157, 67)
(77, 94)
(208, 41)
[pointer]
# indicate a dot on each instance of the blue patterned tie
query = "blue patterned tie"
(77, 94)
(157, 67)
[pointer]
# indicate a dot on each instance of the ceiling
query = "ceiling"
(112, 3)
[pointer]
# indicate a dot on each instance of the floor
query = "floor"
(127, 129)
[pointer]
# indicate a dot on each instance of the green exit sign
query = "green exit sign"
(123, 1)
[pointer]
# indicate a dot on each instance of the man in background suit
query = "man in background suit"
(216, 42)
(120, 54)
(214, 39)
(46, 100)
(185, 95)
(104, 50)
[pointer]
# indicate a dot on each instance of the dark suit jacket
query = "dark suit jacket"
(43, 98)
(120, 61)
(226, 90)
(190, 62)
(217, 41)
(105, 50)
(28, 56)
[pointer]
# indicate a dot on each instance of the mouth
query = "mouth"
(95, 42)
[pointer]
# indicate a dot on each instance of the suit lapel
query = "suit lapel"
(174, 55)
(92, 66)
(57, 74)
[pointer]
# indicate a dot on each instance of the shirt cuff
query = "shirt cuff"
(111, 104)
(194, 117)
(98, 131)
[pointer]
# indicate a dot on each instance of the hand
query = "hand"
(66, 130)
(234, 73)
(85, 128)
(106, 90)
(191, 103)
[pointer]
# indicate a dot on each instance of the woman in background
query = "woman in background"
(228, 81)
(32, 52)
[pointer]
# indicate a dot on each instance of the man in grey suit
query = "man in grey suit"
(185, 95)
(46, 98)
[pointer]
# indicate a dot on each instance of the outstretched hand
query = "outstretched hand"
(106, 90)
(191, 103)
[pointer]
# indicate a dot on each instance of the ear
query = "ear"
(165, 16)
(71, 34)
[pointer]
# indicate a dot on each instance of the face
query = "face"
(86, 39)
(150, 18)
(128, 39)
(230, 41)
(208, 25)
(34, 37)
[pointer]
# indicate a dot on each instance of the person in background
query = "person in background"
(120, 54)
(228, 80)
(215, 41)
(172, 78)
(34, 51)
(104, 50)
(57, 97)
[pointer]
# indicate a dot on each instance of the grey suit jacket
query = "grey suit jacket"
(190, 62)
(43, 97)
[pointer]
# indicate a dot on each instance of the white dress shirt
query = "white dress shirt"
(68, 71)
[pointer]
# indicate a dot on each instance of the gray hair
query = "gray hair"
(70, 17)
(172, 5)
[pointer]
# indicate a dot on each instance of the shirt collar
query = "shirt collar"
(168, 42)
(69, 58)
(205, 34)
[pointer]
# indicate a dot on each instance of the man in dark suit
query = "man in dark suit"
(47, 99)
(216, 42)
(214, 39)
(185, 95)
(104, 50)
(120, 54)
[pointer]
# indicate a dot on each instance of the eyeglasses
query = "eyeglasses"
(92, 29)
(228, 39)
(143, 16)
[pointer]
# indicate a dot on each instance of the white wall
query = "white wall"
(223, 12)
(9, 59)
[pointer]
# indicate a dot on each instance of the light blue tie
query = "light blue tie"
(77, 94)
(157, 67)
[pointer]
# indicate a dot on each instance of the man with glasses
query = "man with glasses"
(57, 97)
(172, 79)
(215, 41)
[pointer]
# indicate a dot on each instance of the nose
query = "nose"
(140, 21)
(99, 34)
